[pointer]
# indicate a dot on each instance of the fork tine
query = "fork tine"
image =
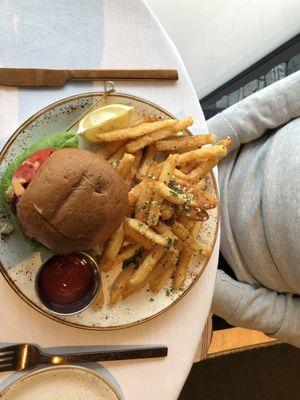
(7, 367)
(6, 359)
(6, 353)
(9, 348)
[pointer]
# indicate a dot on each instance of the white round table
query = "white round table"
(105, 34)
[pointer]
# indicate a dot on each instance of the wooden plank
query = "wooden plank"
(236, 339)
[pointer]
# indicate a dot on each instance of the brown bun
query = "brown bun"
(75, 201)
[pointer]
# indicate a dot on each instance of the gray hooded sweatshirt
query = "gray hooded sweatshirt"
(260, 207)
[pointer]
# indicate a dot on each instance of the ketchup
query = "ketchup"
(66, 279)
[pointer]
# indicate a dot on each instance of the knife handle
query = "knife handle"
(123, 74)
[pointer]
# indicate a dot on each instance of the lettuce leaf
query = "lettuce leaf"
(59, 140)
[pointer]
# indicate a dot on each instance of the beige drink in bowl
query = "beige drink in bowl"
(62, 383)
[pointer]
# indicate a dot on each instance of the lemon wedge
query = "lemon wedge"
(104, 119)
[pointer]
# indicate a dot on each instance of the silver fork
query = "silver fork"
(23, 356)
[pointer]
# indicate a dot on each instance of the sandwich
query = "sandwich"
(64, 198)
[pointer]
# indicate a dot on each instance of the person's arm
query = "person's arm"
(244, 305)
(269, 108)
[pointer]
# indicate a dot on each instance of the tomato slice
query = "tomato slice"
(28, 169)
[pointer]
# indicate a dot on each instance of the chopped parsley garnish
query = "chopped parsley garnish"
(170, 243)
(174, 187)
(174, 193)
(151, 219)
(187, 198)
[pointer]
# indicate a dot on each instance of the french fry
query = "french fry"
(167, 211)
(145, 231)
(181, 134)
(176, 173)
(175, 243)
(180, 230)
(185, 221)
(197, 188)
(182, 267)
(130, 290)
(137, 237)
(178, 246)
(187, 185)
(185, 143)
(202, 169)
(204, 250)
(135, 132)
(106, 150)
(190, 166)
(194, 215)
(112, 249)
(126, 164)
(121, 282)
(167, 232)
(225, 142)
(158, 134)
(154, 171)
(173, 190)
(196, 229)
(143, 202)
(135, 193)
(180, 175)
(205, 200)
(146, 266)
(164, 177)
(194, 238)
(132, 172)
(115, 159)
(207, 152)
(162, 272)
(106, 265)
(114, 245)
(202, 183)
(146, 162)
(184, 234)
(199, 247)
(174, 196)
(127, 252)
(182, 183)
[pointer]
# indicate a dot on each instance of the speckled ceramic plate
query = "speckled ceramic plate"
(61, 383)
(19, 265)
